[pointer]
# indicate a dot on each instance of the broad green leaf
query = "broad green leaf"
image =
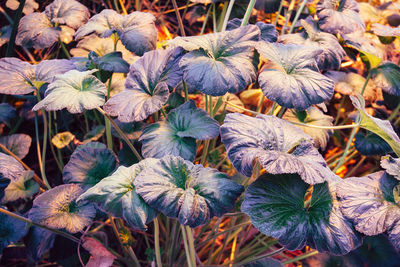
(11, 230)
(62, 140)
(380, 127)
(57, 208)
(75, 91)
(117, 195)
(370, 144)
(279, 207)
(191, 193)
(178, 133)
(89, 164)
(22, 188)
(279, 146)
(17, 143)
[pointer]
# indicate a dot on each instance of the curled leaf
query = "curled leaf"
(57, 208)
(89, 164)
(178, 133)
(276, 206)
(67, 12)
(191, 193)
(278, 145)
(117, 195)
(391, 165)
(100, 255)
(62, 140)
(21, 188)
(291, 78)
(220, 62)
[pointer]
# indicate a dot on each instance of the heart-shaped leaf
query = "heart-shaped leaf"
(385, 31)
(7, 112)
(147, 85)
(332, 52)
(17, 143)
(11, 230)
(67, 12)
(57, 208)
(75, 91)
(19, 77)
(38, 241)
(117, 195)
(391, 165)
(100, 255)
(277, 207)
(220, 62)
(111, 62)
(370, 144)
(9, 167)
(22, 188)
(278, 145)
(89, 164)
(36, 30)
(268, 31)
(370, 203)
(339, 16)
(178, 133)
(313, 116)
(290, 76)
(191, 193)
(136, 30)
(383, 128)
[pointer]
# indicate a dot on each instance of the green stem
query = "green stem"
(222, 16)
(44, 145)
(394, 113)
(14, 30)
(107, 122)
(287, 15)
(58, 232)
(248, 12)
(191, 244)
(186, 91)
(178, 16)
(186, 245)
(259, 257)
(157, 242)
(278, 13)
(303, 256)
(214, 17)
(64, 49)
(298, 13)
(205, 20)
(60, 167)
(121, 133)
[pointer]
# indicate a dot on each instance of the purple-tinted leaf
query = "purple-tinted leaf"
(68, 12)
(17, 143)
(9, 167)
(387, 77)
(291, 78)
(147, 85)
(279, 146)
(384, 30)
(38, 242)
(191, 193)
(136, 30)
(339, 16)
(6, 112)
(12, 230)
(57, 208)
(22, 188)
(391, 165)
(220, 62)
(36, 30)
(268, 31)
